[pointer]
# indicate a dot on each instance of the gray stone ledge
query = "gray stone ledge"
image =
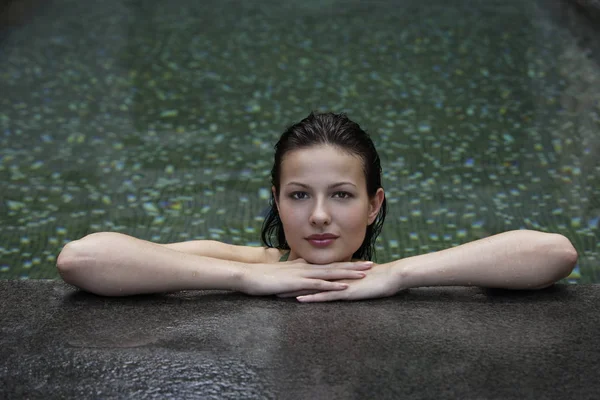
(57, 342)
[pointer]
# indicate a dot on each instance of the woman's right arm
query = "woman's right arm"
(114, 264)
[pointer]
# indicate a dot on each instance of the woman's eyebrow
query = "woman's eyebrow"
(334, 185)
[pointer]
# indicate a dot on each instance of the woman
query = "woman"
(327, 208)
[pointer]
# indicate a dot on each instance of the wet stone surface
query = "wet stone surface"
(56, 342)
(158, 120)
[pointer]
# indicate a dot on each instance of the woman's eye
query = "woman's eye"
(343, 195)
(298, 195)
(304, 195)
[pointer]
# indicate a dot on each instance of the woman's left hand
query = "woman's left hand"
(380, 281)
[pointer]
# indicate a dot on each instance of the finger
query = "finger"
(323, 297)
(334, 274)
(362, 265)
(314, 286)
(298, 293)
(298, 260)
(355, 265)
(346, 264)
(324, 285)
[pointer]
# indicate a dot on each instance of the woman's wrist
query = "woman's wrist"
(249, 277)
(205, 273)
(236, 277)
(404, 276)
(421, 271)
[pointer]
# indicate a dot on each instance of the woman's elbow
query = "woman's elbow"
(568, 251)
(564, 254)
(75, 256)
(69, 261)
(559, 258)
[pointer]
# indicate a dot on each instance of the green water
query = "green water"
(157, 119)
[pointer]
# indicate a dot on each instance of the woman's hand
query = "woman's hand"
(298, 275)
(380, 281)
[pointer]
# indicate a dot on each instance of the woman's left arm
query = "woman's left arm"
(521, 259)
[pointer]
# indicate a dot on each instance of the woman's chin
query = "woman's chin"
(323, 259)
(319, 262)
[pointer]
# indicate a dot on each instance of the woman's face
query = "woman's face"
(324, 191)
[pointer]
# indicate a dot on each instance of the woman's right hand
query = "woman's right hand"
(289, 276)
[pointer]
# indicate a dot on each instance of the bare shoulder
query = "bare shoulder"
(226, 251)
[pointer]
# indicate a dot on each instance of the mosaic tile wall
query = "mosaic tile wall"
(157, 119)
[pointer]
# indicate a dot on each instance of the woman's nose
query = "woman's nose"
(320, 215)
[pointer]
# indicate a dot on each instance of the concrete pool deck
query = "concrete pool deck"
(57, 342)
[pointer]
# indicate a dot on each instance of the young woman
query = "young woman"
(328, 206)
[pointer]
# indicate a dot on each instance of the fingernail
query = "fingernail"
(367, 262)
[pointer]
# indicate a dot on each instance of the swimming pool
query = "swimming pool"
(157, 119)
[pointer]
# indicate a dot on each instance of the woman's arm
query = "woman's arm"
(225, 251)
(511, 260)
(114, 264)
(520, 259)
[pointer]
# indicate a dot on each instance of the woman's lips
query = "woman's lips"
(321, 242)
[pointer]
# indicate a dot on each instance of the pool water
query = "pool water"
(158, 119)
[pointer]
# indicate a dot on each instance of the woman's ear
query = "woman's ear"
(375, 205)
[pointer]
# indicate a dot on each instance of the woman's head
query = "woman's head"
(326, 179)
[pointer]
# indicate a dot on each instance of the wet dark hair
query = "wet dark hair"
(335, 130)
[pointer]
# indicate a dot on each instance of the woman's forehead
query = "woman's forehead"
(321, 162)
